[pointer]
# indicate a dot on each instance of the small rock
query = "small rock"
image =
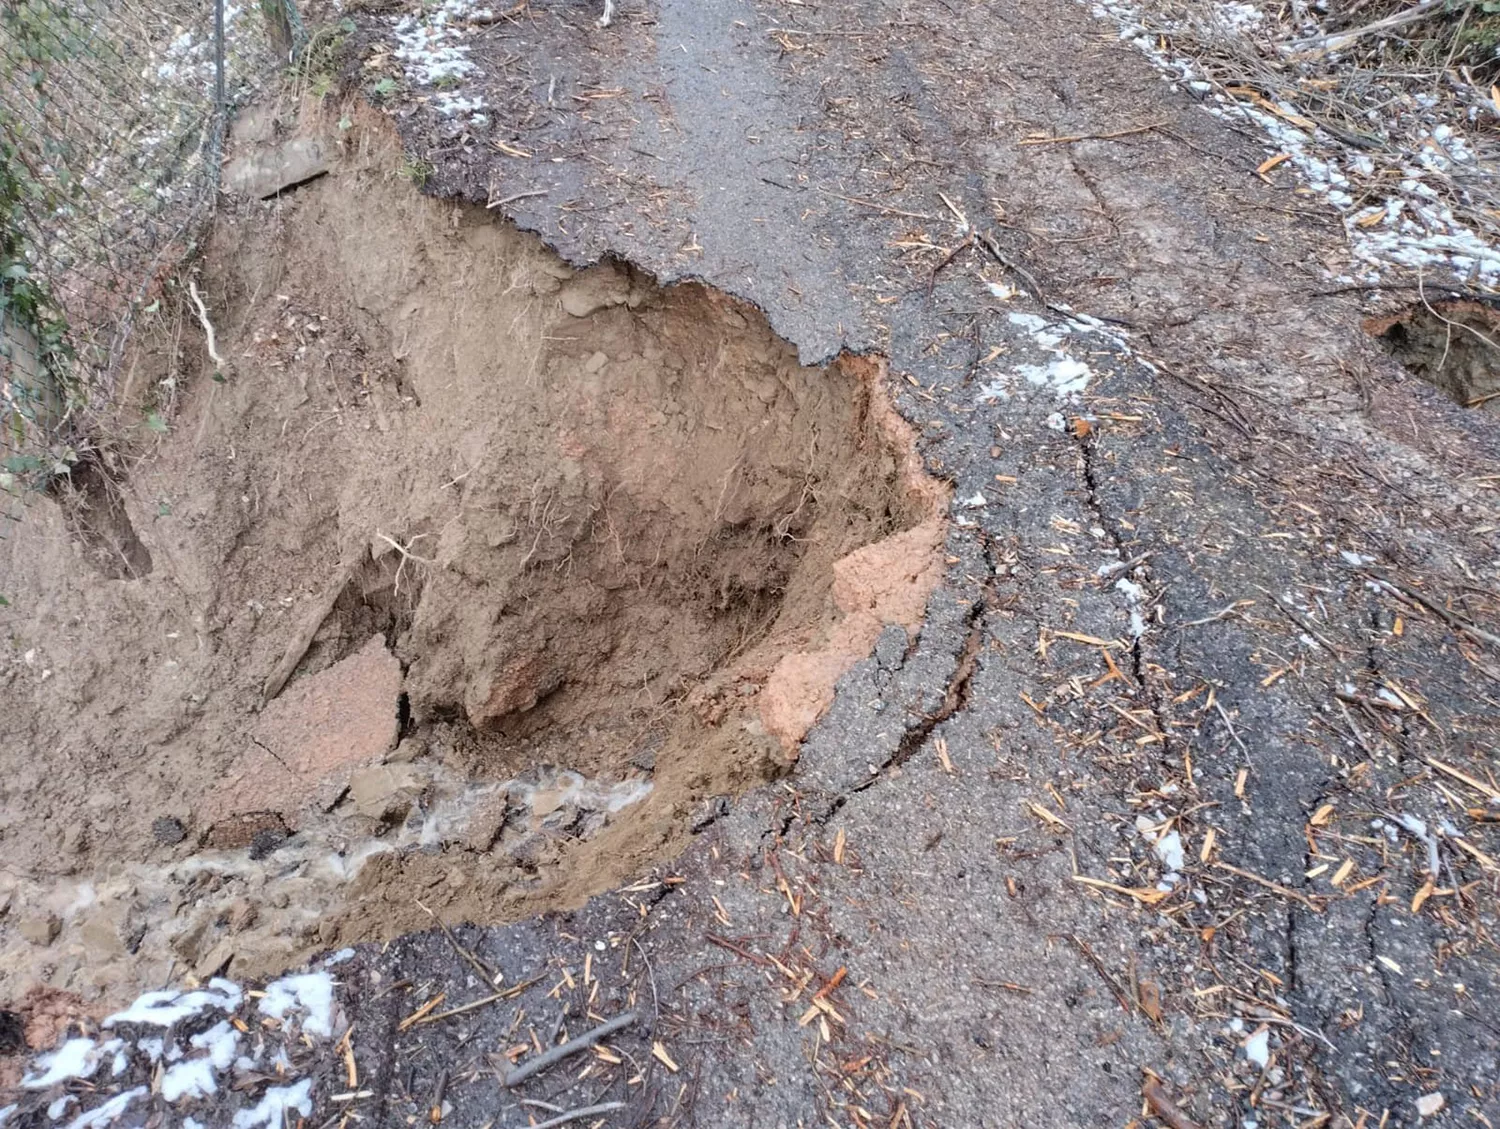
(168, 830)
(242, 914)
(545, 801)
(189, 945)
(215, 961)
(595, 290)
(595, 362)
(1429, 1105)
(487, 821)
(40, 929)
(385, 792)
(410, 749)
(275, 169)
(101, 936)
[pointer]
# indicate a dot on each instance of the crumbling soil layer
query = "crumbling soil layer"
(1454, 345)
(473, 580)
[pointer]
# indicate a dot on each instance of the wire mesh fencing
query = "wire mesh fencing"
(113, 116)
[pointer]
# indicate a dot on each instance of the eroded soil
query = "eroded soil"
(462, 586)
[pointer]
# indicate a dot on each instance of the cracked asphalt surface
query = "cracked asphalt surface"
(1239, 449)
(897, 934)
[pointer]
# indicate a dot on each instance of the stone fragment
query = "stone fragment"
(276, 168)
(40, 929)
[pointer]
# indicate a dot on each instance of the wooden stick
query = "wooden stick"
(486, 973)
(1269, 885)
(1082, 947)
(1164, 1107)
(1147, 128)
(580, 1114)
(509, 993)
(1340, 39)
(571, 1047)
(297, 648)
(878, 207)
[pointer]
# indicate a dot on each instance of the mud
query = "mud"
(1454, 345)
(591, 552)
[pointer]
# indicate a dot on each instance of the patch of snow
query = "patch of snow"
(1031, 323)
(338, 958)
(432, 47)
(6, 1112)
(1258, 1047)
(1169, 850)
(272, 1110)
(77, 1058)
(1055, 422)
(162, 1009)
(976, 501)
(60, 1107)
(998, 389)
(1425, 234)
(311, 993)
(120, 1064)
(108, 1112)
(192, 1079)
(152, 1048)
(1065, 377)
(221, 1041)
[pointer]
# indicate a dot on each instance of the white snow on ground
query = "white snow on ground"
(311, 993)
(211, 1057)
(1412, 228)
(77, 1058)
(163, 1009)
(272, 1110)
(106, 1114)
(1058, 372)
(192, 1079)
(432, 47)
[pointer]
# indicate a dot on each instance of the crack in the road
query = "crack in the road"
(1153, 695)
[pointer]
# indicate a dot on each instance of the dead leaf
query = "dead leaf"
(1149, 997)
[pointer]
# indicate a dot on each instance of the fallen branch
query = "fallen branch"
(881, 208)
(1147, 128)
(1336, 40)
(297, 648)
(1249, 876)
(579, 1114)
(571, 1047)
(1452, 619)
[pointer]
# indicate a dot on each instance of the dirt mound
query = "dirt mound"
(464, 580)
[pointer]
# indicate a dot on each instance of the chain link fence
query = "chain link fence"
(113, 115)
